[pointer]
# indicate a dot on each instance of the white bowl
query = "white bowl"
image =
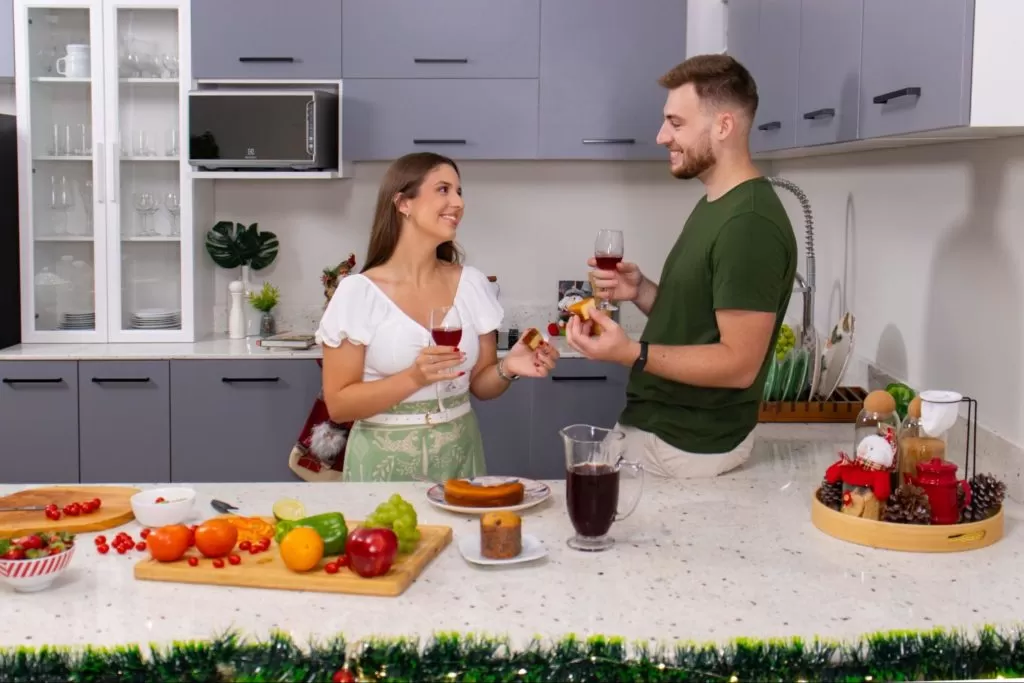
(28, 576)
(176, 510)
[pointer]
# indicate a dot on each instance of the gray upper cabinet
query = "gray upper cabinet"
(463, 118)
(6, 39)
(270, 39)
(776, 70)
(237, 420)
(505, 428)
(743, 20)
(916, 66)
(39, 422)
(600, 61)
(125, 412)
(829, 83)
(440, 38)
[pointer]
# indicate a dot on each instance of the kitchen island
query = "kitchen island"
(700, 560)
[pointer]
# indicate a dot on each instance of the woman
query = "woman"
(408, 398)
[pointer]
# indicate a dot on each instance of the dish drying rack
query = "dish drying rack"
(846, 402)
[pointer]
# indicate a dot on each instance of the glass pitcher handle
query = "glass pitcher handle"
(639, 470)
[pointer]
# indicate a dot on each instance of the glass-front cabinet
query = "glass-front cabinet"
(105, 197)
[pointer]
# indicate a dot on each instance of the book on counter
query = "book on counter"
(288, 340)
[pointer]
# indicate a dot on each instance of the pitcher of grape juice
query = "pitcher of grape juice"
(594, 459)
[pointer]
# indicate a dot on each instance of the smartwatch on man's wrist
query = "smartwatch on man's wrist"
(641, 360)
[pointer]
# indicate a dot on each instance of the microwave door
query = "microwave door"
(249, 130)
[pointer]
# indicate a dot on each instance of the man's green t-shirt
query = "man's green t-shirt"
(736, 252)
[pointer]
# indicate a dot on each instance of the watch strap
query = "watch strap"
(502, 374)
(641, 360)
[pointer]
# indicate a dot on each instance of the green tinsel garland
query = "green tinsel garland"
(448, 658)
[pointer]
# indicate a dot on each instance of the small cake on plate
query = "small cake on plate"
(477, 495)
(501, 535)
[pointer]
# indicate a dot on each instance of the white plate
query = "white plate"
(536, 493)
(533, 549)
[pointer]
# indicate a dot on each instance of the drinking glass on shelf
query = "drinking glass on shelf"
(170, 64)
(60, 140)
(85, 191)
(61, 200)
(142, 144)
(146, 205)
(82, 146)
(446, 330)
(171, 142)
(608, 251)
(173, 204)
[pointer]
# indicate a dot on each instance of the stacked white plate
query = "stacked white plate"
(156, 319)
(84, 320)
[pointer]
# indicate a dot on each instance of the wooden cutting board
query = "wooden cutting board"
(266, 570)
(115, 511)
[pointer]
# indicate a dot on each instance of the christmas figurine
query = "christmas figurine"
(319, 452)
(866, 478)
(332, 276)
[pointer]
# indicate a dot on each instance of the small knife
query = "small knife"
(222, 507)
(25, 508)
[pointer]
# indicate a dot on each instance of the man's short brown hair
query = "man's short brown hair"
(718, 79)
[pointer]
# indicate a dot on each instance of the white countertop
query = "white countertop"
(216, 348)
(707, 560)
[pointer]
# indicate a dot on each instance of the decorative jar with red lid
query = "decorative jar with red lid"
(938, 479)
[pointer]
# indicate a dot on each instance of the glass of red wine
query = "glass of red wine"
(608, 251)
(446, 330)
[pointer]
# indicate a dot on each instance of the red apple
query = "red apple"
(371, 552)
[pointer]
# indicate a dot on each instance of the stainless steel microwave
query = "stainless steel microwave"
(273, 130)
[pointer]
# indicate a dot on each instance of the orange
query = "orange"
(216, 538)
(168, 543)
(302, 549)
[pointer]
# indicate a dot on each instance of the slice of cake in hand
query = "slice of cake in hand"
(501, 535)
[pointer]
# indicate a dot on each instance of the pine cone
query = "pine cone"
(908, 505)
(831, 495)
(987, 495)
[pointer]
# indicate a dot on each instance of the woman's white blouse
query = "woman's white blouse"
(360, 312)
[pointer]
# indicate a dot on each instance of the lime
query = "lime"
(289, 509)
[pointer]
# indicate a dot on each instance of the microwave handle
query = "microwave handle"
(310, 126)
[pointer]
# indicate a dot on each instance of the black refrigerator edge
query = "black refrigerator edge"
(10, 276)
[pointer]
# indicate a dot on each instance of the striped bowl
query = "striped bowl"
(28, 576)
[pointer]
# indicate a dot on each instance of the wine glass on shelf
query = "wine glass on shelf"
(145, 205)
(608, 251)
(61, 200)
(446, 330)
(173, 204)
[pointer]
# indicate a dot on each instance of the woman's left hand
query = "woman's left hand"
(526, 363)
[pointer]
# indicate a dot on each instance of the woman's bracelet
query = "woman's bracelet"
(501, 372)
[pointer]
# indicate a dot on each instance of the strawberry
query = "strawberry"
(13, 554)
(30, 542)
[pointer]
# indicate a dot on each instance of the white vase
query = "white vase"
(236, 315)
(252, 316)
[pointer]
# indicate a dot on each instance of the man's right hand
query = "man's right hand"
(622, 284)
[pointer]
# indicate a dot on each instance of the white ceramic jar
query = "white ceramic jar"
(76, 64)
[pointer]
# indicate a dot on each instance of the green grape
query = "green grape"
(399, 515)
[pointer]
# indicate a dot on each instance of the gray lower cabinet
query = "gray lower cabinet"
(776, 71)
(829, 83)
(916, 67)
(6, 39)
(298, 39)
(600, 61)
(505, 424)
(237, 420)
(440, 38)
(463, 118)
(39, 422)
(578, 392)
(125, 413)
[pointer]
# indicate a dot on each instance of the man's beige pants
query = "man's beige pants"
(662, 460)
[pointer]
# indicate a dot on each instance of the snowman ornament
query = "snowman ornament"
(866, 477)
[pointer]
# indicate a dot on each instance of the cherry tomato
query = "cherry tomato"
(343, 561)
(121, 550)
(72, 509)
(218, 563)
(234, 559)
(86, 507)
(331, 568)
(101, 540)
(160, 499)
(193, 561)
(245, 545)
(53, 514)
(52, 506)
(141, 545)
(343, 676)
(264, 544)
(255, 550)
(103, 548)
(145, 533)
(96, 503)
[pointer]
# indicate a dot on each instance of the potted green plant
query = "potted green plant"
(264, 302)
(233, 245)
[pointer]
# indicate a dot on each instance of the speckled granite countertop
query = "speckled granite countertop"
(736, 556)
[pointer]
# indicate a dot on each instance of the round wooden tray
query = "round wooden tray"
(919, 538)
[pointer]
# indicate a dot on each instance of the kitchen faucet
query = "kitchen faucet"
(804, 286)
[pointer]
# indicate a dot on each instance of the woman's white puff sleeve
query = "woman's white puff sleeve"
(481, 301)
(354, 313)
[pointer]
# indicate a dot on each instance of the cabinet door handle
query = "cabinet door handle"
(440, 60)
(248, 380)
(40, 380)
(101, 172)
(569, 378)
(120, 380)
(771, 125)
(902, 92)
(438, 141)
(820, 114)
(283, 60)
(609, 141)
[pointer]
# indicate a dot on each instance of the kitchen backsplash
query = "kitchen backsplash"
(529, 224)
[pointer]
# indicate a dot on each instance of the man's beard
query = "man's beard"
(696, 160)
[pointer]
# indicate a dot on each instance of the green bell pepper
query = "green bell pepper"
(330, 525)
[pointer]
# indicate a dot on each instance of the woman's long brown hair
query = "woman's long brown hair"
(404, 177)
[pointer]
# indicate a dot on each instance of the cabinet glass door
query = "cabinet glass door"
(60, 99)
(143, 122)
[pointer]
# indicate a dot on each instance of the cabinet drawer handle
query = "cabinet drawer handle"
(771, 125)
(609, 141)
(285, 60)
(902, 92)
(568, 378)
(440, 60)
(249, 380)
(120, 380)
(42, 380)
(820, 114)
(438, 141)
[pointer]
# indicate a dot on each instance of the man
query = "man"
(713, 317)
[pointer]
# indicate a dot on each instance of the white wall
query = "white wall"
(925, 247)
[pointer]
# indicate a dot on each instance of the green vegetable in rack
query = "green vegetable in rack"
(903, 395)
(398, 515)
(785, 342)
